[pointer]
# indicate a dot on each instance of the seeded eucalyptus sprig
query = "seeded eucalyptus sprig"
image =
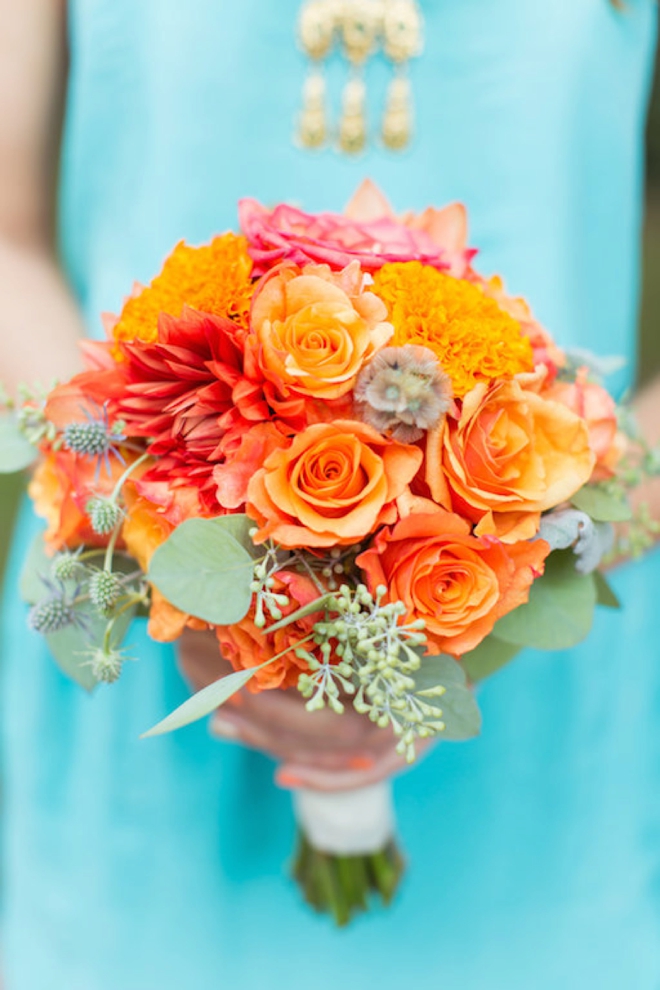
(368, 654)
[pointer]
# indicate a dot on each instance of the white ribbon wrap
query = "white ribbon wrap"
(347, 823)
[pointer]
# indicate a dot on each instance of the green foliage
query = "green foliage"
(560, 610)
(606, 596)
(205, 569)
(71, 647)
(490, 656)
(602, 504)
(15, 452)
(203, 703)
(460, 711)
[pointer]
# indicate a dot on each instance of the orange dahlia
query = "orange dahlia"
(214, 279)
(474, 339)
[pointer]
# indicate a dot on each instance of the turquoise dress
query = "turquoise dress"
(535, 850)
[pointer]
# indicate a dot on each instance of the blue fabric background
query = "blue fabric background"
(534, 850)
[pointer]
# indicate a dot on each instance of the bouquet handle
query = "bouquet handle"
(347, 849)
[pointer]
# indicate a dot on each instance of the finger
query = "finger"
(287, 716)
(299, 775)
(290, 747)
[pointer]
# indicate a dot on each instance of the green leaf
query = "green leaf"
(606, 595)
(602, 505)
(491, 655)
(203, 703)
(460, 711)
(560, 609)
(15, 452)
(203, 570)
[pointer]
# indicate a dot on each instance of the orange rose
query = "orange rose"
(316, 328)
(144, 529)
(333, 484)
(459, 584)
(511, 455)
(598, 409)
(245, 646)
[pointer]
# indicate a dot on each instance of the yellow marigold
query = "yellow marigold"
(214, 278)
(473, 338)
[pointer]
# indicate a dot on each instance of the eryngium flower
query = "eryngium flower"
(50, 615)
(104, 591)
(105, 664)
(403, 391)
(104, 514)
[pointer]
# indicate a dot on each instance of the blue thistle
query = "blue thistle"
(104, 514)
(104, 591)
(51, 615)
(95, 438)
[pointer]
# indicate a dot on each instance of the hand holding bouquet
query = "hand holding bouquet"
(362, 466)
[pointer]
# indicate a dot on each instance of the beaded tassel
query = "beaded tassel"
(316, 30)
(363, 27)
(402, 32)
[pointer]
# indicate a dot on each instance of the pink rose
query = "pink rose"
(368, 232)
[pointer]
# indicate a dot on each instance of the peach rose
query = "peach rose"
(145, 528)
(368, 232)
(459, 584)
(245, 646)
(597, 408)
(60, 488)
(544, 348)
(511, 455)
(316, 329)
(333, 484)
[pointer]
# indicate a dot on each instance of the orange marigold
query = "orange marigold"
(473, 338)
(214, 279)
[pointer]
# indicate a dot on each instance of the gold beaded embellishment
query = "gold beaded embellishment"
(361, 28)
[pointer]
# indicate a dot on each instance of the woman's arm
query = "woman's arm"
(39, 322)
(647, 414)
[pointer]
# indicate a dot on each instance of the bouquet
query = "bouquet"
(363, 466)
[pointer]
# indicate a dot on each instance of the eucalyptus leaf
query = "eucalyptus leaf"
(203, 703)
(560, 610)
(606, 595)
(203, 570)
(490, 656)
(460, 711)
(602, 505)
(37, 564)
(239, 525)
(15, 452)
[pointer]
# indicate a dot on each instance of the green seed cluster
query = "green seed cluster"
(370, 654)
(266, 600)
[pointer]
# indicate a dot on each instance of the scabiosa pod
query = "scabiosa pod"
(403, 391)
